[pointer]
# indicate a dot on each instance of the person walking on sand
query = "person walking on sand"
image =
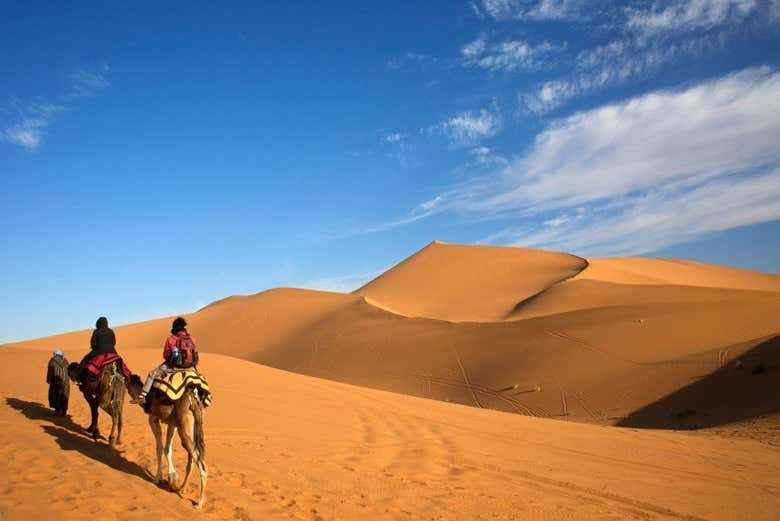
(179, 352)
(59, 383)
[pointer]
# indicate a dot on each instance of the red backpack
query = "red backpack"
(188, 353)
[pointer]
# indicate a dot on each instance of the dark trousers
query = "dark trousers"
(58, 396)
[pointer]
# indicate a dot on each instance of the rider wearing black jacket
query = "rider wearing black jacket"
(103, 341)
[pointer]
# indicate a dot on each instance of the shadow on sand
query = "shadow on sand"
(744, 388)
(70, 436)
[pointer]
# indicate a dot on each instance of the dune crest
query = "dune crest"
(468, 283)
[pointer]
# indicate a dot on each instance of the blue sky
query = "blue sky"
(154, 159)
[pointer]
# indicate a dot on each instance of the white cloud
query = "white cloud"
(689, 15)
(707, 130)
(642, 174)
(32, 119)
(614, 63)
(509, 56)
(469, 127)
(699, 26)
(487, 157)
(659, 219)
(394, 137)
(531, 10)
(473, 48)
(27, 131)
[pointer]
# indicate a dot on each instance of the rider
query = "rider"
(103, 341)
(178, 352)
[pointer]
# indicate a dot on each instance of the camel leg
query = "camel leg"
(187, 473)
(172, 477)
(204, 474)
(119, 426)
(93, 409)
(187, 436)
(114, 428)
(154, 423)
(189, 446)
(118, 406)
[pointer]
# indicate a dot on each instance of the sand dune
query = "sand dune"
(468, 283)
(638, 270)
(584, 348)
(633, 342)
(284, 446)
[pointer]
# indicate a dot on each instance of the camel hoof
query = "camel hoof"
(197, 506)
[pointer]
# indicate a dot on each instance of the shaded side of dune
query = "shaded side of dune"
(745, 388)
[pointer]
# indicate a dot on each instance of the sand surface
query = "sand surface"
(286, 446)
(574, 347)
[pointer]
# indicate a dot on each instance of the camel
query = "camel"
(184, 415)
(106, 392)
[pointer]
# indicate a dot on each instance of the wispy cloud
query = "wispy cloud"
(31, 119)
(651, 36)
(86, 83)
(657, 219)
(487, 157)
(398, 62)
(468, 128)
(394, 137)
(31, 122)
(396, 145)
(614, 63)
(646, 167)
(530, 9)
(509, 56)
(685, 16)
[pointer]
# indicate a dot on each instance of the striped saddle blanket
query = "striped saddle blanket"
(175, 383)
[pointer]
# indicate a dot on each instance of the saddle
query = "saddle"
(95, 365)
(174, 383)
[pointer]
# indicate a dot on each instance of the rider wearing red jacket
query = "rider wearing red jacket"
(179, 352)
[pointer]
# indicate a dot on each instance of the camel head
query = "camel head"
(134, 385)
(73, 371)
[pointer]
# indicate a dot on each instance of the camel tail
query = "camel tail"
(197, 412)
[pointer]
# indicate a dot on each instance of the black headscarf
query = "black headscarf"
(178, 325)
(103, 339)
